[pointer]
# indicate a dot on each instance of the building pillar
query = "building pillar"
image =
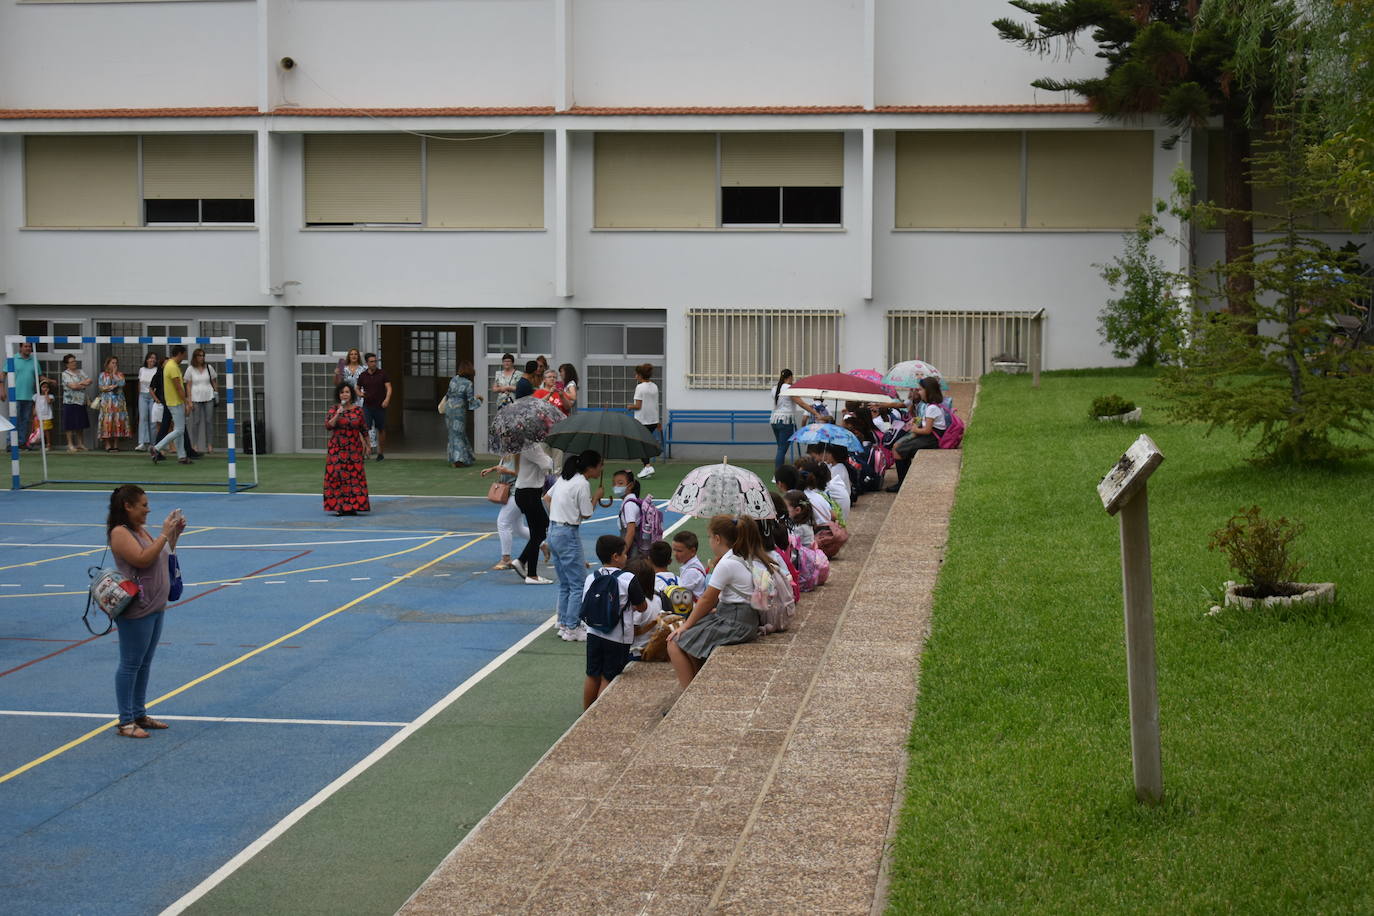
(283, 403)
(9, 322)
(569, 341)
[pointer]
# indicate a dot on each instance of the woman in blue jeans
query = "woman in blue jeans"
(142, 558)
(784, 413)
(570, 502)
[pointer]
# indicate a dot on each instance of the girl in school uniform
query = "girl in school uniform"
(723, 616)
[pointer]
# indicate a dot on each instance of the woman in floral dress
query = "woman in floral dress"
(114, 412)
(345, 480)
(462, 398)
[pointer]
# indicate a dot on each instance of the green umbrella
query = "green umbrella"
(615, 435)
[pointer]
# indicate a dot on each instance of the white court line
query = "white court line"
(262, 842)
(324, 580)
(275, 582)
(236, 719)
(418, 537)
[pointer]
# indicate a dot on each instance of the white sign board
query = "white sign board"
(1129, 474)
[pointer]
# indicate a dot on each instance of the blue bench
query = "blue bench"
(731, 418)
(758, 419)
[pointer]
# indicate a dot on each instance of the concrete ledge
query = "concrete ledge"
(769, 785)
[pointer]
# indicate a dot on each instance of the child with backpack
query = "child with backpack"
(725, 614)
(641, 521)
(810, 562)
(611, 598)
(926, 429)
(691, 572)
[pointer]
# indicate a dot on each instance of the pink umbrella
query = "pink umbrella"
(874, 376)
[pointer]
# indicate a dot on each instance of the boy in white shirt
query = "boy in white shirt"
(691, 572)
(609, 651)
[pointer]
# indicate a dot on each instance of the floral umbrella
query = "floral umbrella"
(909, 374)
(722, 489)
(827, 433)
(523, 422)
(874, 376)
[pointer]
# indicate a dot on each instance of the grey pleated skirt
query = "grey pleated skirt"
(731, 623)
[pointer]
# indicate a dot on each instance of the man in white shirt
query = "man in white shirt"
(645, 407)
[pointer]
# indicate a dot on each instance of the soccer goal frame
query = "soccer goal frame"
(231, 347)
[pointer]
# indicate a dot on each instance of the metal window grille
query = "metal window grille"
(965, 345)
(613, 385)
(747, 348)
(317, 394)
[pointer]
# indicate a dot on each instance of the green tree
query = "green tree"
(1161, 60)
(1300, 384)
(1145, 323)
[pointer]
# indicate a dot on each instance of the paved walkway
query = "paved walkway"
(770, 785)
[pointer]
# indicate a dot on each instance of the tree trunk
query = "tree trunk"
(1238, 200)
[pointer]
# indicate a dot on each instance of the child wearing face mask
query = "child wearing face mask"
(625, 487)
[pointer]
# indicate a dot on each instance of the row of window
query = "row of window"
(1083, 179)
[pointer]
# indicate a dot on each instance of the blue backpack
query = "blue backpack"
(601, 604)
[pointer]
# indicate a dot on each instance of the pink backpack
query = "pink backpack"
(954, 429)
(813, 566)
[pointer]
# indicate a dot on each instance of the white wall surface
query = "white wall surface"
(417, 53)
(422, 268)
(718, 52)
(940, 52)
(128, 55)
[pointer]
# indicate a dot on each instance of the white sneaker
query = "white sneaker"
(537, 580)
(646, 472)
(577, 634)
(564, 633)
(519, 566)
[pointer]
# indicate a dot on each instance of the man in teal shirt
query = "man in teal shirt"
(25, 382)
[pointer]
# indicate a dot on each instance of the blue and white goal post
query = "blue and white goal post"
(12, 343)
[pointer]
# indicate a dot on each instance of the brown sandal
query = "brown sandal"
(130, 730)
(149, 722)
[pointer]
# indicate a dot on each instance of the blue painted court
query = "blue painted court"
(303, 642)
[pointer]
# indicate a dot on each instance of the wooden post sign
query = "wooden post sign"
(1123, 491)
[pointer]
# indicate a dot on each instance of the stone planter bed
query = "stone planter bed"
(1128, 417)
(1302, 593)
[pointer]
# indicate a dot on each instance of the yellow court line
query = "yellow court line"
(275, 575)
(242, 658)
(65, 556)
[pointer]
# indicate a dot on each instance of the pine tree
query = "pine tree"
(1162, 60)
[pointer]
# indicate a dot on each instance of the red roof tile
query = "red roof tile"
(17, 114)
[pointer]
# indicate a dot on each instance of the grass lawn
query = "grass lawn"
(1019, 793)
(305, 474)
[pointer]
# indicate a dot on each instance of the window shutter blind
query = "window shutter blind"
(655, 180)
(81, 181)
(1079, 179)
(202, 167)
(958, 180)
(362, 178)
(493, 183)
(792, 160)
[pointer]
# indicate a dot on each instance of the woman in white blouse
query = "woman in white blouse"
(146, 427)
(201, 380)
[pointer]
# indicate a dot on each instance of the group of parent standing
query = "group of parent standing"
(165, 393)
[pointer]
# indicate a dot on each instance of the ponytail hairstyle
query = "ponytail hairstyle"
(787, 477)
(631, 481)
(796, 499)
(120, 500)
(775, 534)
(576, 464)
(643, 572)
(783, 379)
(749, 543)
(814, 475)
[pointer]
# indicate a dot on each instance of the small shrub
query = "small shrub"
(1110, 405)
(1257, 549)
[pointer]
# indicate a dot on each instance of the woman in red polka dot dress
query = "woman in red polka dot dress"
(345, 480)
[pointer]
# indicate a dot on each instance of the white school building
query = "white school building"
(722, 188)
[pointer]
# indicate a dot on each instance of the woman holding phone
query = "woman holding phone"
(143, 558)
